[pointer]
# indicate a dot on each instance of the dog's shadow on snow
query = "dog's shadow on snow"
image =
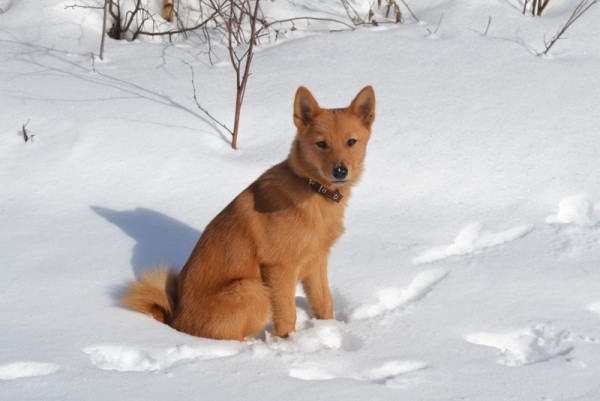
(159, 239)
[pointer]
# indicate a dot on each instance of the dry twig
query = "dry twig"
(488, 26)
(437, 27)
(200, 106)
(581, 8)
(25, 133)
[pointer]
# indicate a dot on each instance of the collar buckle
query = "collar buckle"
(335, 196)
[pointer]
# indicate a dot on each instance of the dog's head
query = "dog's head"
(331, 144)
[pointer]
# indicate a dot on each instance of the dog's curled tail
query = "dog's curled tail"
(154, 293)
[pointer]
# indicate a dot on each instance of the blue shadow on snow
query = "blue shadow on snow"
(159, 238)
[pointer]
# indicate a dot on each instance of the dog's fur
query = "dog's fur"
(277, 232)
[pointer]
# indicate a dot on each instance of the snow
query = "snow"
(390, 298)
(536, 344)
(386, 374)
(471, 238)
(130, 359)
(577, 209)
(18, 370)
(470, 266)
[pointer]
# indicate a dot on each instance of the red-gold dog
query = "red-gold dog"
(276, 233)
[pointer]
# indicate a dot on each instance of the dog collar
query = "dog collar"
(335, 196)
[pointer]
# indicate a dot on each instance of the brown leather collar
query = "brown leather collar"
(335, 196)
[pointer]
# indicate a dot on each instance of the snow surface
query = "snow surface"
(122, 171)
(471, 238)
(577, 209)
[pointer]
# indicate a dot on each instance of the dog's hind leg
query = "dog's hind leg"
(241, 308)
(235, 310)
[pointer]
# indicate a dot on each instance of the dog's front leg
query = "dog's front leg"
(317, 291)
(282, 280)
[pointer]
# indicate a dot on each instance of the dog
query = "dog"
(277, 232)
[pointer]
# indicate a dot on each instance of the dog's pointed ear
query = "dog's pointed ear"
(363, 105)
(306, 108)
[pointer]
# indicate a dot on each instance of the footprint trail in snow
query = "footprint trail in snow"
(388, 373)
(393, 298)
(311, 336)
(129, 359)
(539, 343)
(18, 370)
(470, 239)
(579, 210)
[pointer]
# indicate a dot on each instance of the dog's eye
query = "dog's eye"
(322, 144)
(351, 142)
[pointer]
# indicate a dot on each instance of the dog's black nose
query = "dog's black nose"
(340, 172)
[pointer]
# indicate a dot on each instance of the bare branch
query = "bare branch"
(104, 15)
(437, 27)
(182, 30)
(26, 135)
(268, 24)
(537, 7)
(409, 10)
(202, 109)
(581, 8)
(488, 26)
(356, 19)
(542, 7)
(73, 6)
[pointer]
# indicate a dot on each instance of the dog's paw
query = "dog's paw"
(315, 335)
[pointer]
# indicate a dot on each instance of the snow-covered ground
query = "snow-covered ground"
(470, 267)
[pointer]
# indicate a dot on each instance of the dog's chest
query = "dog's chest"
(307, 231)
(324, 221)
